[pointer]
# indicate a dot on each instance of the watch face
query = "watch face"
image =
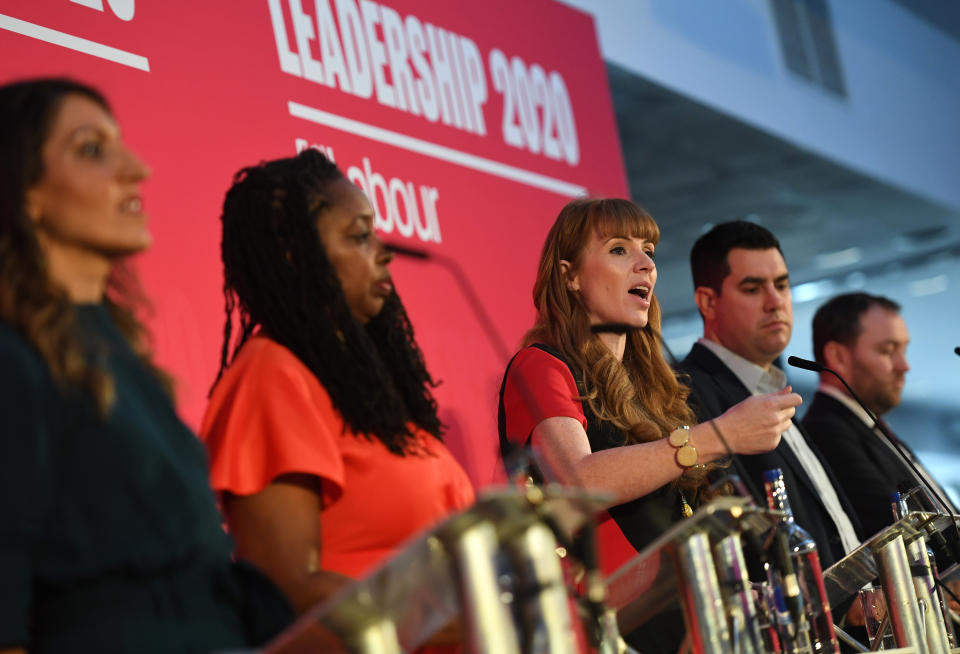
(679, 436)
(687, 456)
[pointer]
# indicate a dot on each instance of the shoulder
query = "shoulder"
(826, 415)
(538, 386)
(824, 408)
(263, 364)
(701, 361)
(269, 415)
(533, 359)
(263, 354)
(537, 371)
(702, 369)
(266, 379)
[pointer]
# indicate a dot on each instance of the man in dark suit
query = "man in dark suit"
(863, 338)
(742, 289)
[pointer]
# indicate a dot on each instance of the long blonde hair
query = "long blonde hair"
(641, 396)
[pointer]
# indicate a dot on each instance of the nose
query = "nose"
(133, 168)
(773, 298)
(900, 362)
(384, 254)
(644, 262)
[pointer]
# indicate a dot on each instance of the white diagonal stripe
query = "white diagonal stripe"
(436, 151)
(72, 42)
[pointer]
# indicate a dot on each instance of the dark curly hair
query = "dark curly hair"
(30, 302)
(278, 279)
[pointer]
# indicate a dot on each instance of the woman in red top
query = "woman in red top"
(591, 389)
(593, 394)
(322, 428)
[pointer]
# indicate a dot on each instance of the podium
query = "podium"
(699, 561)
(494, 566)
(897, 555)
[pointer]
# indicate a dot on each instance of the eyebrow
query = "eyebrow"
(761, 280)
(894, 342)
(624, 237)
(99, 129)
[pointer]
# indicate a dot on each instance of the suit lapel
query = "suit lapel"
(729, 387)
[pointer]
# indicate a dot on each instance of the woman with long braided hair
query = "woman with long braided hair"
(110, 539)
(322, 427)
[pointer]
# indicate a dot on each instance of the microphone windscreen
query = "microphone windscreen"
(797, 362)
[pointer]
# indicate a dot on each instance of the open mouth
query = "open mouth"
(640, 291)
(132, 205)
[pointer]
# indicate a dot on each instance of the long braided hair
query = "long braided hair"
(30, 302)
(279, 280)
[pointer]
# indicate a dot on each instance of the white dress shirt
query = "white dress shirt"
(759, 382)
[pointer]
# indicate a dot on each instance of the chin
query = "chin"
(129, 249)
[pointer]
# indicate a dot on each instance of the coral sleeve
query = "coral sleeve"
(538, 386)
(268, 416)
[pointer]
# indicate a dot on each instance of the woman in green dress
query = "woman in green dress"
(110, 540)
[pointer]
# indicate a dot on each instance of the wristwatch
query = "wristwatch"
(686, 454)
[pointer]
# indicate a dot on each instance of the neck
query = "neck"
(828, 380)
(616, 343)
(82, 274)
(711, 335)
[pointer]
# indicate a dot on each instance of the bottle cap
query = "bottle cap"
(895, 496)
(772, 475)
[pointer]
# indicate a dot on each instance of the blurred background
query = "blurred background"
(833, 123)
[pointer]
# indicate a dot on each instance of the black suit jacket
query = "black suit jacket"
(715, 388)
(871, 471)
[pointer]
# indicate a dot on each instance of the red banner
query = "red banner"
(468, 125)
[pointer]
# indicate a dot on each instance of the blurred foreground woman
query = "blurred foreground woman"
(110, 540)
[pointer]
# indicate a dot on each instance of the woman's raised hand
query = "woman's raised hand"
(754, 425)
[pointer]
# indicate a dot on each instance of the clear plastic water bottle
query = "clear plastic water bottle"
(801, 575)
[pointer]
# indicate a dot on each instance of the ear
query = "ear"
(573, 281)
(706, 299)
(31, 206)
(837, 357)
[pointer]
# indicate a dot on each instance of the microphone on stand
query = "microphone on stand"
(813, 366)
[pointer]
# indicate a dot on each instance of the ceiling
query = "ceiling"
(691, 166)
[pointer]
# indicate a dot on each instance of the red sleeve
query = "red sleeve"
(538, 386)
(269, 415)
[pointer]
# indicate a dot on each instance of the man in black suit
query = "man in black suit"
(863, 338)
(742, 290)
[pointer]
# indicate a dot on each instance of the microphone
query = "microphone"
(461, 279)
(813, 366)
(956, 350)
